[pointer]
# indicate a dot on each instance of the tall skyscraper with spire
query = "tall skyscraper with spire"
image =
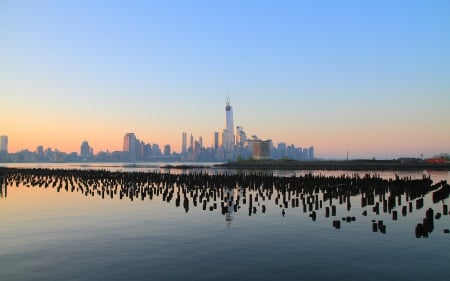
(229, 116)
(228, 133)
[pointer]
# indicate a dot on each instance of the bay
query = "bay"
(51, 235)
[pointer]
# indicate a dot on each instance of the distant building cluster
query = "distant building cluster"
(230, 144)
(291, 152)
(135, 150)
(41, 155)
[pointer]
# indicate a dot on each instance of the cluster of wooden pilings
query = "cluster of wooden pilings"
(230, 192)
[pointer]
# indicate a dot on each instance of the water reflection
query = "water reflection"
(231, 193)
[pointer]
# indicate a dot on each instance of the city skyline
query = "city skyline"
(365, 78)
(130, 139)
(231, 147)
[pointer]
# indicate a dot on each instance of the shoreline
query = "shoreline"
(345, 165)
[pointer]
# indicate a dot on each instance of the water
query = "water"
(50, 235)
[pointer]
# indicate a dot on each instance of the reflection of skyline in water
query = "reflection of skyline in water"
(341, 199)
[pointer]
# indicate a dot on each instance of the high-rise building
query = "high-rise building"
(261, 149)
(191, 143)
(167, 150)
(40, 153)
(241, 137)
(4, 144)
(156, 150)
(200, 141)
(228, 133)
(184, 143)
(282, 150)
(85, 150)
(147, 151)
(140, 150)
(305, 154)
(130, 147)
(215, 141)
(229, 115)
(311, 153)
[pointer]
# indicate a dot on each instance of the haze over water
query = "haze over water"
(52, 235)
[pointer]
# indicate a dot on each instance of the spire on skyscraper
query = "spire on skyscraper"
(229, 115)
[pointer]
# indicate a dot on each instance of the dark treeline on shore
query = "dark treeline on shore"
(345, 165)
(250, 192)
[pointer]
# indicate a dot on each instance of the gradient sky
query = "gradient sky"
(368, 77)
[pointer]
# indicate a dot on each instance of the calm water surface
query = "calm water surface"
(50, 235)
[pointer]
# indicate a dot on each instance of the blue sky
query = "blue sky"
(368, 77)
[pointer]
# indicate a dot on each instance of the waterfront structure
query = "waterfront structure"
(4, 144)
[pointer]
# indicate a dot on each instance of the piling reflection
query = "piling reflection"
(253, 192)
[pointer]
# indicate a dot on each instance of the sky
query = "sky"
(371, 78)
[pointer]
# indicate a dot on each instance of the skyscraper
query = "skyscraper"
(200, 141)
(228, 134)
(241, 137)
(129, 147)
(281, 150)
(156, 150)
(215, 141)
(261, 149)
(311, 153)
(191, 143)
(85, 150)
(229, 116)
(184, 143)
(4, 144)
(167, 150)
(40, 153)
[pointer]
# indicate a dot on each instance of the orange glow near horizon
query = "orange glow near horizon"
(374, 137)
(325, 145)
